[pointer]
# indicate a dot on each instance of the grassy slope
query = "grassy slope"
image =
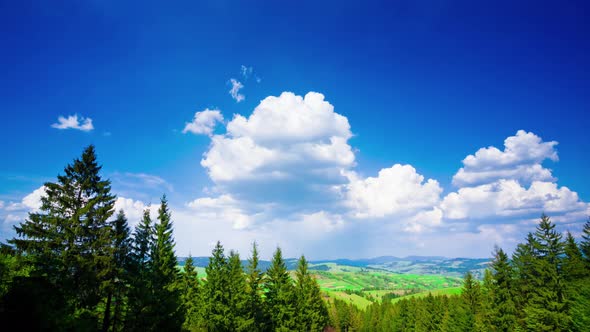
(443, 291)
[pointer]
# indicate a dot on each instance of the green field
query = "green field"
(362, 286)
(443, 291)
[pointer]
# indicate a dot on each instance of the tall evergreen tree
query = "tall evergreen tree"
(254, 291)
(311, 312)
(216, 295)
(522, 260)
(547, 309)
(279, 295)
(119, 278)
(240, 319)
(504, 310)
(140, 307)
(165, 274)
(191, 297)
(69, 239)
(471, 293)
(585, 243)
(573, 263)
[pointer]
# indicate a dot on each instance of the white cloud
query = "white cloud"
(290, 146)
(72, 122)
(291, 118)
(506, 198)
(224, 208)
(521, 160)
(511, 184)
(12, 218)
(32, 201)
(134, 209)
(204, 122)
(395, 191)
(236, 86)
(1, 204)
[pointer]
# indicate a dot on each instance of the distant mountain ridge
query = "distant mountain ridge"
(438, 265)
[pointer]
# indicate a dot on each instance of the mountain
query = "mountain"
(434, 265)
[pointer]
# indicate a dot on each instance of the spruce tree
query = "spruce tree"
(311, 312)
(254, 291)
(471, 293)
(216, 295)
(119, 277)
(547, 309)
(573, 263)
(522, 260)
(191, 297)
(280, 301)
(240, 319)
(165, 274)
(69, 239)
(140, 307)
(504, 310)
(585, 243)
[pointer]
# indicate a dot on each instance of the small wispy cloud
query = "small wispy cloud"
(235, 90)
(247, 71)
(203, 122)
(73, 122)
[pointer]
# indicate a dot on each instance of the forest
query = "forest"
(75, 265)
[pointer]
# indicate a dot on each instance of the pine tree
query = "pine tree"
(190, 296)
(254, 291)
(119, 277)
(216, 295)
(585, 243)
(69, 239)
(546, 310)
(504, 310)
(165, 274)
(279, 295)
(238, 299)
(140, 307)
(523, 259)
(311, 313)
(471, 293)
(573, 262)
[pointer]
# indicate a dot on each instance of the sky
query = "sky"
(331, 129)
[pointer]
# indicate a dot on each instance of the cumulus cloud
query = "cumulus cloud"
(508, 198)
(236, 86)
(203, 122)
(72, 122)
(395, 191)
(521, 160)
(134, 209)
(224, 208)
(511, 184)
(290, 145)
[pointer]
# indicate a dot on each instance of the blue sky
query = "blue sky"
(420, 84)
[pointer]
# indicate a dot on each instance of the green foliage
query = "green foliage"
(190, 290)
(254, 292)
(585, 243)
(311, 310)
(167, 311)
(216, 294)
(140, 306)
(68, 242)
(280, 297)
(503, 309)
(546, 310)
